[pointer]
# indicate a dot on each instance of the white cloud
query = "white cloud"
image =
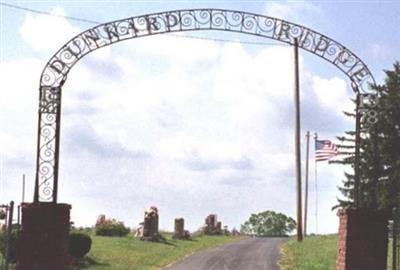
(177, 47)
(332, 93)
(47, 33)
(294, 11)
(18, 103)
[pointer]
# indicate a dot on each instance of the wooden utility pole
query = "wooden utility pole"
(357, 153)
(306, 184)
(297, 140)
(23, 188)
(316, 185)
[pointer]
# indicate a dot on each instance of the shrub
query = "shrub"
(85, 230)
(112, 229)
(13, 244)
(79, 244)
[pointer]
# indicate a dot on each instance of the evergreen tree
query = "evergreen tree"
(379, 149)
(388, 138)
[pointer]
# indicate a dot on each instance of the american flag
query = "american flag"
(324, 150)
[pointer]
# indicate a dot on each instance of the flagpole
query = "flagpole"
(23, 188)
(306, 183)
(316, 186)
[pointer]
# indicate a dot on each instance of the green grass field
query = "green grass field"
(128, 253)
(315, 253)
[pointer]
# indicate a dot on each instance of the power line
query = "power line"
(48, 13)
(96, 23)
(230, 40)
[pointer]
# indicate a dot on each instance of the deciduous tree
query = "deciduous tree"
(268, 223)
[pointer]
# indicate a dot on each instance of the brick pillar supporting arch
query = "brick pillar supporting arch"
(43, 241)
(363, 239)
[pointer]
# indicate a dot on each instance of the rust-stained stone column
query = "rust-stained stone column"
(210, 221)
(43, 242)
(150, 227)
(179, 228)
(363, 239)
(219, 227)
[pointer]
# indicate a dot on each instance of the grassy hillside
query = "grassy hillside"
(129, 253)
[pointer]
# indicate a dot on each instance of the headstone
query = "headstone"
(139, 230)
(211, 220)
(179, 228)
(218, 229)
(150, 224)
(212, 226)
(101, 219)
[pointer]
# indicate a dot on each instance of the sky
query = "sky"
(189, 124)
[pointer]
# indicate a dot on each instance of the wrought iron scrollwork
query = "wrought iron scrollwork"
(49, 113)
(56, 70)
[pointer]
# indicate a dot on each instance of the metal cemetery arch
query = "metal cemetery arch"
(56, 70)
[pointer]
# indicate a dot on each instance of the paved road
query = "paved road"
(248, 254)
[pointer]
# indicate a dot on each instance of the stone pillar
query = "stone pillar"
(219, 227)
(363, 239)
(43, 241)
(210, 221)
(147, 227)
(179, 228)
(155, 225)
(101, 219)
(150, 227)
